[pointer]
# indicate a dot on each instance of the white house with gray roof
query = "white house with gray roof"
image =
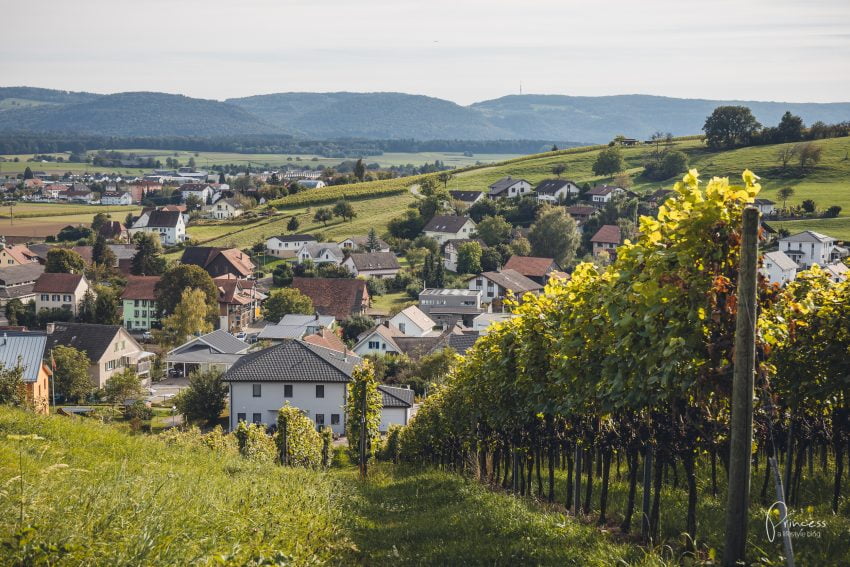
(321, 253)
(218, 350)
(412, 322)
(296, 326)
(287, 246)
(443, 228)
(372, 264)
(508, 188)
(778, 268)
(808, 248)
(397, 406)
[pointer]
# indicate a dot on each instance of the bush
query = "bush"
(832, 212)
(376, 286)
(138, 410)
(254, 443)
(298, 443)
(204, 399)
(390, 450)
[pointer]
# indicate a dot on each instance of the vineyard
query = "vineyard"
(631, 366)
(355, 192)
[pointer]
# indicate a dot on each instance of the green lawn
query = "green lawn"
(391, 301)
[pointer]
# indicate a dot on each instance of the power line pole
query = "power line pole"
(741, 437)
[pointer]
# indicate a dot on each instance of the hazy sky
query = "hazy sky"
(462, 50)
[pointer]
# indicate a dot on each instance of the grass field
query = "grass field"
(90, 494)
(42, 226)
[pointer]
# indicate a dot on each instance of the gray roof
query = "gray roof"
(503, 183)
(218, 341)
(163, 219)
(551, 186)
(375, 261)
(462, 343)
(465, 196)
(445, 223)
(316, 249)
(296, 238)
(782, 261)
(90, 338)
(14, 275)
(293, 326)
(395, 397)
(808, 236)
(511, 280)
(293, 361)
(24, 349)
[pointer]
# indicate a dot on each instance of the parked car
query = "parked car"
(147, 336)
(242, 335)
(175, 372)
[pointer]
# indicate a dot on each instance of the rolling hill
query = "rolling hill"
(377, 116)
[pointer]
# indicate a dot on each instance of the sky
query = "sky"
(460, 50)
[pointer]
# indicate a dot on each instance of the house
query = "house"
(777, 267)
(378, 340)
(556, 190)
(311, 183)
(312, 378)
(508, 188)
(372, 264)
(340, 297)
(200, 191)
(27, 351)
(496, 285)
(287, 246)
(169, 225)
(81, 196)
(448, 306)
(453, 337)
(361, 243)
(396, 406)
(215, 351)
(656, 198)
(765, 206)
(443, 228)
(60, 291)
(296, 326)
(808, 248)
(123, 255)
(601, 195)
(224, 209)
(139, 303)
(239, 302)
(534, 268)
(451, 249)
(321, 253)
(16, 255)
(141, 187)
(412, 321)
(606, 239)
(581, 213)
(116, 198)
(18, 282)
(837, 271)
(110, 349)
(482, 323)
(466, 199)
(219, 261)
(327, 339)
(114, 230)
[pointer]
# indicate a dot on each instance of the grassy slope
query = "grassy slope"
(117, 499)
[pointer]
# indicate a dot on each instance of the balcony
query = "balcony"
(143, 367)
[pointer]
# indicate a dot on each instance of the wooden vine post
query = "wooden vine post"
(741, 427)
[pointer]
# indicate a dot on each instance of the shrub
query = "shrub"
(327, 447)
(390, 450)
(298, 443)
(254, 443)
(138, 410)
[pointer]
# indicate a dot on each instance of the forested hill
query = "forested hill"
(377, 116)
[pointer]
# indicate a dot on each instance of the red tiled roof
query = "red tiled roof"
(57, 283)
(608, 234)
(530, 266)
(340, 297)
(21, 254)
(140, 287)
(326, 338)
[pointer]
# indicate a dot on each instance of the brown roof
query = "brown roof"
(603, 190)
(203, 256)
(140, 287)
(233, 290)
(57, 283)
(608, 234)
(113, 229)
(326, 338)
(340, 297)
(531, 266)
(240, 260)
(375, 261)
(581, 210)
(21, 254)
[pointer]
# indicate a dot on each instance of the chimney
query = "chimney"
(50, 327)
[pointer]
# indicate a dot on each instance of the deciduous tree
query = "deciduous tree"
(284, 302)
(71, 373)
(204, 399)
(554, 235)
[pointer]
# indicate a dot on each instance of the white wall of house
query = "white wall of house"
(466, 231)
(807, 254)
(560, 195)
(775, 274)
(222, 210)
(374, 344)
(122, 199)
(272, 398)
(169, 236)
(55, 300)
(277, 247)
(393, 416)
(518, 189)
(406, 325)
(488, 288)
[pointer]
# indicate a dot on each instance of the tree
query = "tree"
(672, 164)
(790, 128)
(99, 249)
(129, 220)
(554, 235)
(786, 154)
(494, 230)
(122, 386)
(359, 170)
(282, 274)
(285, 301)
(86, 310)
(28, 173)
(558, 169)
(323, 215)
(181, 277)
(622, 180)
(106, 308)
(444, 177)
(293, 224)
(13, 390)
(99, 220)
(785, 193)
(810, 154)
(609, 162)
(427, 186)
(730, 126)
(18, 313)
(363, 410)
(64, 261)
(204, 399)
(194, 203)
(190, 317)
(491, 260)
(808, 205)
(469, 258)
(373, 244)
(344, 209)
(71, 373)
(221, 178)
(416, 256)
(148, 260)
(355, 325)
(520, 246)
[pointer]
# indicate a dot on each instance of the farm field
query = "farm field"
(32, 210)
(49, 225)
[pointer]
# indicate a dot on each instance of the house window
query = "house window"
(401, 327)
(374, 345)
(257, 418)
(320, 390)
(257, 390)
(66, 298)
(334, 419)
(55, 298)
(320, 419)
(240, 417)
(287, 390)
(45, 297)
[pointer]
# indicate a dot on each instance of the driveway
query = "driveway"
(167, 389)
